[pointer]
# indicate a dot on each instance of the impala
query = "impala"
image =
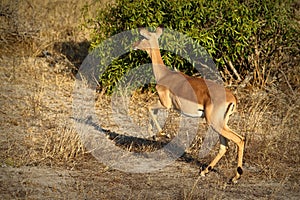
(192, 96)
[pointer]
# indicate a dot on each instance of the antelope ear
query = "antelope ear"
(135, 45)
(159, 31)
(145, 33)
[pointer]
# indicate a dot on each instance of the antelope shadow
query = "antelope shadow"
(137, 144)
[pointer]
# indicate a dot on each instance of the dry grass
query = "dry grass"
(36, 73)
(42, 155)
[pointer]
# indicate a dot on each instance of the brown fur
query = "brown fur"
(191, 95)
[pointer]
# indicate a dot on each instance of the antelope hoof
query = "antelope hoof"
(159, 137)
(205, 171)
(235, 179)
(163, 135)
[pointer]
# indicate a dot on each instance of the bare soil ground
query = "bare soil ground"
(42, 156)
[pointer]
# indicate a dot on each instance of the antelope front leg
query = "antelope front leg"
(153, 120)
(153, 109)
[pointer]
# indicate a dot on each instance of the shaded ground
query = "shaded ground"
(41, 154)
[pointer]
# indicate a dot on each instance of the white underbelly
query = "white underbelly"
(188, 108)
(198, 113)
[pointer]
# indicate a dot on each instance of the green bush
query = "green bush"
(244, 37)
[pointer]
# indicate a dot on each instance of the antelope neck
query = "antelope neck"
(159, 68)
